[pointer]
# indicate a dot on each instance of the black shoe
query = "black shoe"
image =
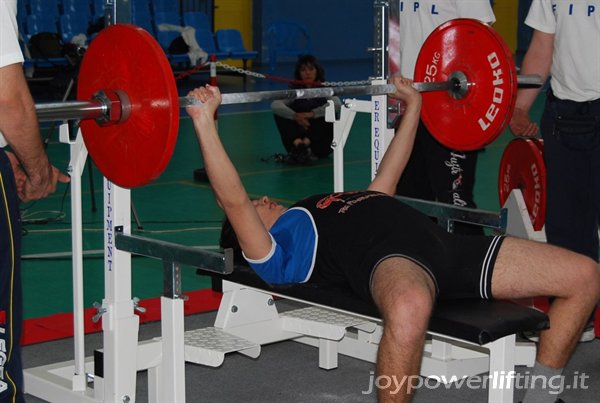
(290, 159)
(302, 154)
(311, 156)
(298, 155)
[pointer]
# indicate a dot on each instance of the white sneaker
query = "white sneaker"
(588, 334)
(533, 335)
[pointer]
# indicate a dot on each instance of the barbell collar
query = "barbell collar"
(106, 107)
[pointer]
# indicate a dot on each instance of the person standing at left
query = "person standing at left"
(25, 174)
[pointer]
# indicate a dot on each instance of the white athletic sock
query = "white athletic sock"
(542, 384)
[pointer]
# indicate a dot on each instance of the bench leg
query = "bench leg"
(328, 354)
(502, 369)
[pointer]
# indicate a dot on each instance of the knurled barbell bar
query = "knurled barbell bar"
(105, 108)
(129, 106)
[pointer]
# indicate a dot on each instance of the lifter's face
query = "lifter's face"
(268, 211)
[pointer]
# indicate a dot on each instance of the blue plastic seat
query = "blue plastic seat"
(140, 15)
(98, 9)
(230, 41)
(206, 40)
(165, 38)
(37, 23)
(22, 19)
(71, 25)
(165, 6)
(286, 39)
(78, 8)
(40, 24)
(43, 7)
(197, 19)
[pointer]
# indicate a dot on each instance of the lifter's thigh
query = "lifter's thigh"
(527, 269)
(400, 287)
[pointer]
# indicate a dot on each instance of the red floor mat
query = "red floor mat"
(59, 326)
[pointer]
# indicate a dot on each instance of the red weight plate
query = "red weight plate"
(522, 167)
(540, 145)
(136, 151)
(478, 51)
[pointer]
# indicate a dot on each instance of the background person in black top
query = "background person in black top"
(304, 132)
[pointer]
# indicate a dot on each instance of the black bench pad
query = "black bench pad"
(476, 321)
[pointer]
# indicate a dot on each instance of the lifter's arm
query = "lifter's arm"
(398, 152)
(229, 191)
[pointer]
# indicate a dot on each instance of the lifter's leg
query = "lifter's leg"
(529, 269)
(404, 294)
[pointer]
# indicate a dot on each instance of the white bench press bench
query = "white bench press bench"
(465, 337)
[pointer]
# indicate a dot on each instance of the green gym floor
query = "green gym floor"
(177, 209)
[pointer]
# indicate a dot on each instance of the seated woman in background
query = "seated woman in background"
(304, 132)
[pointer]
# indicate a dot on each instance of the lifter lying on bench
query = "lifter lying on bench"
(352, 238)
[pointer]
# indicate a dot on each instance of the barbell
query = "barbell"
(129, 106)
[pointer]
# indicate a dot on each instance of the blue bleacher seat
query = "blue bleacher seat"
(22, 18)
(22, 26)
(141, 15)
(162, 6)
(78, 8)
(165, 38)
(197, 19)
(43, 7)
(286, 38)
(230, 41)
(206, 40)
(71, 25)
(98, 9)
(37, 24)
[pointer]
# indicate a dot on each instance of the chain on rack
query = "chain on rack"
(270, 77)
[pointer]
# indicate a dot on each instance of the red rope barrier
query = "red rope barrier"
(212, 63)
(190, 71)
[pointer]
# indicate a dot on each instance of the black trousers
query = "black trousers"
(571, 132)
(11, 308)
(320, 134)
(437, 173)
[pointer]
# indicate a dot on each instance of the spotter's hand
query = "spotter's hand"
(521, 124)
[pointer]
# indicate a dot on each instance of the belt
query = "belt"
(552, 98)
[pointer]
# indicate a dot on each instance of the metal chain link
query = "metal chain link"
(345, 83)
(240, 70)
(259, 75)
